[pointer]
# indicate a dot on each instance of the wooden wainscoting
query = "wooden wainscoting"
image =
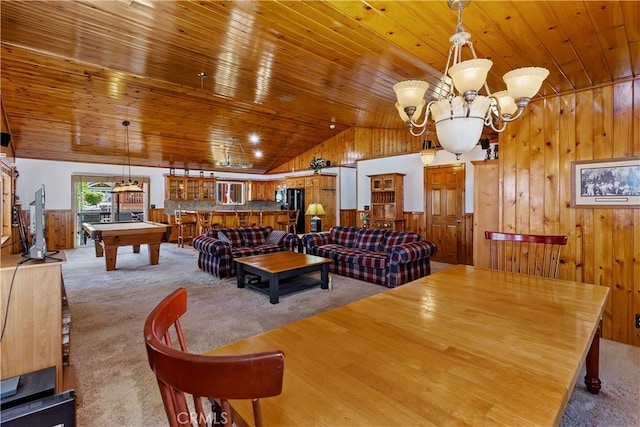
(59, 232)
(60, 223)
(350, 218)
(414, 221)
(467, 244)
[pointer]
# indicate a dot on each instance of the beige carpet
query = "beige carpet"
(108, 310)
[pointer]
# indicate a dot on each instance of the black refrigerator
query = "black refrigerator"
(295, 201)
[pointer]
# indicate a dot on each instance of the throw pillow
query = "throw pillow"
(254, 236)
(369, 239)
(275, 237)
(223, 238)
(234, 237)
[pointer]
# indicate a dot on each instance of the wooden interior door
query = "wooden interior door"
(444, 199)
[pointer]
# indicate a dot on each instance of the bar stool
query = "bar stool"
(290, 223)
(204, 221)
(245, 219)
(186, 222)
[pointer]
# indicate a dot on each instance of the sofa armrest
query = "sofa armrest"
(210, 246)
(310, 240)
(290, 241)
(409, 252)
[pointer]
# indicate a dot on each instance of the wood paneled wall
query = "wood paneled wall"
(60, 224)
(59, 232)
(535, 174)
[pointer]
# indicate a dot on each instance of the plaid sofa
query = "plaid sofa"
(385, 257)
(218, 247)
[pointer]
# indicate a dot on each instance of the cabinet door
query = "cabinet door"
(295, 182)
(193, 189)
(311, 195)
(313, 181)
(208, 189)
(376, 184)
(252, 190)
(269, 191)
(175, 188)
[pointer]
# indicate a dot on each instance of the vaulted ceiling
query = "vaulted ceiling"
(72, 71)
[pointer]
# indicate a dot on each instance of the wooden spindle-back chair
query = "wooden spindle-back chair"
(218, 378)
(534, 254)
(290, 223)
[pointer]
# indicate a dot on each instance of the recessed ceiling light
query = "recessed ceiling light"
(258, 154)
(254, 138)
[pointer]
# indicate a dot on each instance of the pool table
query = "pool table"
(108, 236)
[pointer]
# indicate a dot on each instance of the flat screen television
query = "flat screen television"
(37, 226)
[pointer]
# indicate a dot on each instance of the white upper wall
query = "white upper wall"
(56, 176)
(354, 190)
(411, 165)
(347, 188)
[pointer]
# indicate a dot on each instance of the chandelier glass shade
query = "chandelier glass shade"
(427, 154)
(460, 112)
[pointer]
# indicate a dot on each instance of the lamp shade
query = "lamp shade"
(470, 75)
(130, 187)
(525, 82)
(427, 156)
(505, 102)
(410, 92)
(315, 209)
(403, 115)
(459, 130)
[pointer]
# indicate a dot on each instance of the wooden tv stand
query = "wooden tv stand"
(33, 336)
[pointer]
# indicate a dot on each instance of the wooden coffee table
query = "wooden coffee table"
(283, 272)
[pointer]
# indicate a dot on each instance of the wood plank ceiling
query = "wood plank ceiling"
(284, 70)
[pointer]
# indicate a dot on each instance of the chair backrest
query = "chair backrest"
(218, 378)
(245, 219)
(204, 217)
(204, 221)
(534, 254)
(185, 217)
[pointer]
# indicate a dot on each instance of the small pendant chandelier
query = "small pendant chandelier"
(130, 186)
(459, 119)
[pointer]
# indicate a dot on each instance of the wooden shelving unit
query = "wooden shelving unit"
(387, 201)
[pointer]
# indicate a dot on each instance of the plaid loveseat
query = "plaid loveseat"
(385, 257)
(218, 247)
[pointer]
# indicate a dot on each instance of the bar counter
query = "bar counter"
(227, 217)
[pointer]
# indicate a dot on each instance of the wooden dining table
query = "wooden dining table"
(464, 346)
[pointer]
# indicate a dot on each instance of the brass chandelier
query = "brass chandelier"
(459, 119)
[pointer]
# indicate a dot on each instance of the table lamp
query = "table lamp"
(315, 209)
